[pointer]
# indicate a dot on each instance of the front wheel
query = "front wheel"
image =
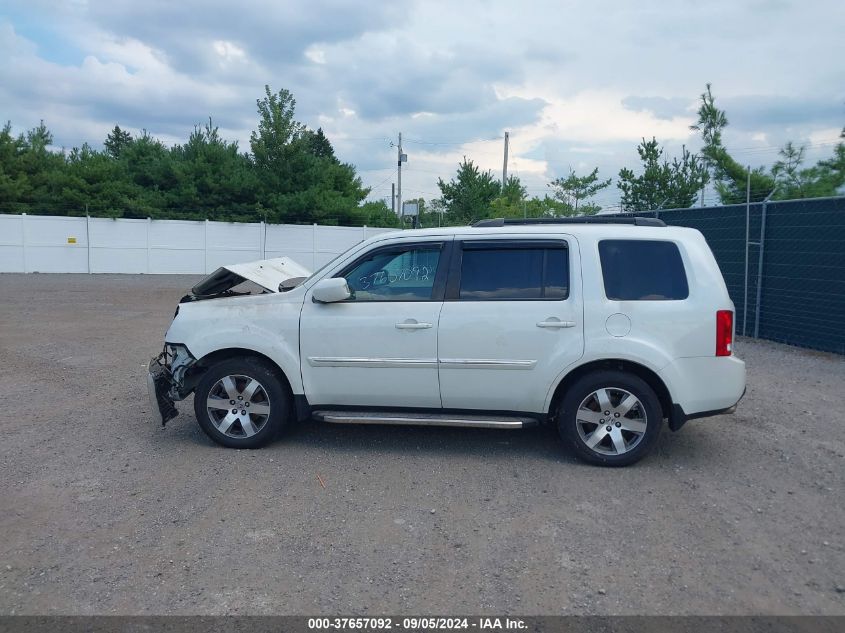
(241, 403)
(610, 418)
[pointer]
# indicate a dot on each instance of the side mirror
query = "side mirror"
(331, 290)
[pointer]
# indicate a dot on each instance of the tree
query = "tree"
(116, 140)
(38, 168)
(661, 185)
(377, 213)
(272, 143)
(95, 182)
(574, 189)
(14, 185)
(510, 203)
(513, 190)
(301, 179)
(787, 173)
(711, 120)
(468, 196)
(729, 176)
(831, 171)
(318, 145)
(214, 180)
(785, 180)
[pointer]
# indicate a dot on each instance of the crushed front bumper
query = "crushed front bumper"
(159, 384)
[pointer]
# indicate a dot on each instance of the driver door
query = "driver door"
(379, 347)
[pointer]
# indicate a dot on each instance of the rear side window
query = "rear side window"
(642, 270)
(517, 273)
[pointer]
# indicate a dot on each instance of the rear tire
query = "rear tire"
(242, 403)
(610, 418)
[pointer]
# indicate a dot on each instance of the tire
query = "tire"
(602, 400)
(261, 407)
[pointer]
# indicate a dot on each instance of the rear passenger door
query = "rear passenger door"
(511, 322)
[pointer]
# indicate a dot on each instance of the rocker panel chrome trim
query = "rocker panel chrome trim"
(479, 421)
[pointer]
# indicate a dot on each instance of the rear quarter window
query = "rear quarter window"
(642, 270)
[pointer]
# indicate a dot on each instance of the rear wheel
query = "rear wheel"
(241, 403)
(610, 418)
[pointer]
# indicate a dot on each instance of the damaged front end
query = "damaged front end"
(174, 374)
(279, 274)
(166, 380)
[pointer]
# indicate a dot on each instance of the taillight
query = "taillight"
(724, 332)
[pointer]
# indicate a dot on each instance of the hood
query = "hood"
(267, 273)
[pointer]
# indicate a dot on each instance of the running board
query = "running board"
(425, 419)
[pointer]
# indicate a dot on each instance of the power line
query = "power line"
(374, 169)
(477, 140)
(363, 138)
(754, 148)
(374, 187)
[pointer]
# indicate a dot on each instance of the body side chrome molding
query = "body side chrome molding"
(390, 363)
(486, 363)
(427, 363)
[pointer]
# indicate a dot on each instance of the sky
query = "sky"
(576, 84)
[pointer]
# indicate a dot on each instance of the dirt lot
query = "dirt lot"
(103, 511)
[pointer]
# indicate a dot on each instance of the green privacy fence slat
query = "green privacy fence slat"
(802, 299)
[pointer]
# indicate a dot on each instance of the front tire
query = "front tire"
(610, 418)
(241, 403)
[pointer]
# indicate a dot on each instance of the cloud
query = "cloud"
(783, 110)
(575, 84)
(268, 31)
(661, 107)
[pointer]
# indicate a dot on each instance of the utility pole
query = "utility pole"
(401, 158)
(393, 197)
(505, 166)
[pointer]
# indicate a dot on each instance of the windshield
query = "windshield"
(323, 267)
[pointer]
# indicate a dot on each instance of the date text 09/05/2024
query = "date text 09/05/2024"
(416, 623)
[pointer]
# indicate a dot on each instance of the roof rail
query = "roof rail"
(588, 219)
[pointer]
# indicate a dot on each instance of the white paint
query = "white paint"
(368, 331)
(511, 331)
(38, 243)
(618, 325)
(269, 273)
(480, 355)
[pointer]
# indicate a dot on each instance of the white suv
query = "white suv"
(602, 326)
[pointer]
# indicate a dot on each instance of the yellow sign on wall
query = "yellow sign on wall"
(71, 240)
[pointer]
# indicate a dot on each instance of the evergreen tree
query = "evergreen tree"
(116, 140)
(661, 185)
(575, 189)
(469, 195)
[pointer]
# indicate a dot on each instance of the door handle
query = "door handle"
(555, 324)
(411, 324)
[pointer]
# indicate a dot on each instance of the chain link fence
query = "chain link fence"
(797, 295)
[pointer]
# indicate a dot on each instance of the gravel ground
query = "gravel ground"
(102, 511)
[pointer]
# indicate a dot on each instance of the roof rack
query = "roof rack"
(589, 219)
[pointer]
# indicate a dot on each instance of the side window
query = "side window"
(642, 270)
(514, 273)
(395, 275)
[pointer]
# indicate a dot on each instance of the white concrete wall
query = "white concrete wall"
(55, 244)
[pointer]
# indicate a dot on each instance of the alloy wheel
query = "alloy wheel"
(611, 421)
(238, 406)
